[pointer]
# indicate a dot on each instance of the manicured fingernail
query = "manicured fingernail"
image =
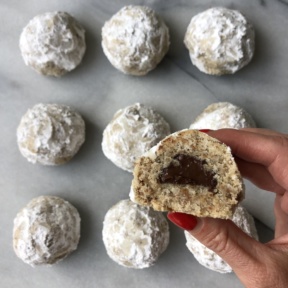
(204, 130)
(184, 221)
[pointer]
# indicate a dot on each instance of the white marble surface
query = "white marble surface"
(91, 182)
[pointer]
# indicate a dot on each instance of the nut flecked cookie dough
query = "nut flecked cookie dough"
(223, 115)
(132, 131)
(220, 41)
(135, 40)
(46, 230)
(188, 172)
(209, 258)
(53, 43)
(50, 134)
(134, 236)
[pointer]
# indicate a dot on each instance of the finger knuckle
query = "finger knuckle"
(217, 240)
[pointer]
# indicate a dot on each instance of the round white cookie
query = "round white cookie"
(53, 43)
(220, 41)
(46, 230)
(210, 259)
(134, 236)
(223, 115)
(50, 134)
(135, 40)
(132, 131)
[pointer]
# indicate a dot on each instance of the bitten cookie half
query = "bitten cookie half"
(188, 172)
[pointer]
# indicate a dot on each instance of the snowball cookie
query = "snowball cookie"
(134, 236)
(210, 259)
(223, 115)
(189, 172)
(135, 40)
(53, 43)
(46, 230)
(220, 41)
(50, 134)
(132, 131)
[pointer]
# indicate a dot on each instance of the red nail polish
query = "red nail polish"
(184, 221)
(204, 130)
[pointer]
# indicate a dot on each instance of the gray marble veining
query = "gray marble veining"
(91, 182)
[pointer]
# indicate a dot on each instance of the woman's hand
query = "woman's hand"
(262, 157)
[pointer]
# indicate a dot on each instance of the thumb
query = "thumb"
(239, 250)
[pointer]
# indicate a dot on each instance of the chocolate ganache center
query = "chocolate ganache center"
(187, 170)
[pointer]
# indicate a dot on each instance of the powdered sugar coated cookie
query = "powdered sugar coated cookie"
(50, 134)
(134, 236)
(53, 43)
(220, 41)
(135, 40)
(223, 115)
(132, 131)
(46, 230)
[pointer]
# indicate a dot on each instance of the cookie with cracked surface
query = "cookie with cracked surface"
(135, 40)
(53, 43)
(220, 41)
(223, 115)
(46, 231)
(132, 131)
(188, 172)
(134, 236)
(50, 134)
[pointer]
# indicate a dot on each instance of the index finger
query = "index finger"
(251, 146)
(259, 146)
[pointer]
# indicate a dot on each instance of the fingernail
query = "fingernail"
(204, 130)
(182, 220)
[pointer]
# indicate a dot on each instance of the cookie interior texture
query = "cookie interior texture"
(207, 183)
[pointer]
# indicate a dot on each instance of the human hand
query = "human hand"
(262, 158)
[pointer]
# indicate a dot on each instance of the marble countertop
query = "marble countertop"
(91, 182)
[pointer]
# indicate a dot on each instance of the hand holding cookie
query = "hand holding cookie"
(261, 156)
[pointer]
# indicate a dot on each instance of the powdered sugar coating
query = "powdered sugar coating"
(223, 115)
(134, 236)
(210, 259)
(53, 43)
(46, 230)
(220, 41)
(132, 131)
(50, 134)
(135, 40)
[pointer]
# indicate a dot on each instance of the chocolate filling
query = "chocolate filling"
(187, 170)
